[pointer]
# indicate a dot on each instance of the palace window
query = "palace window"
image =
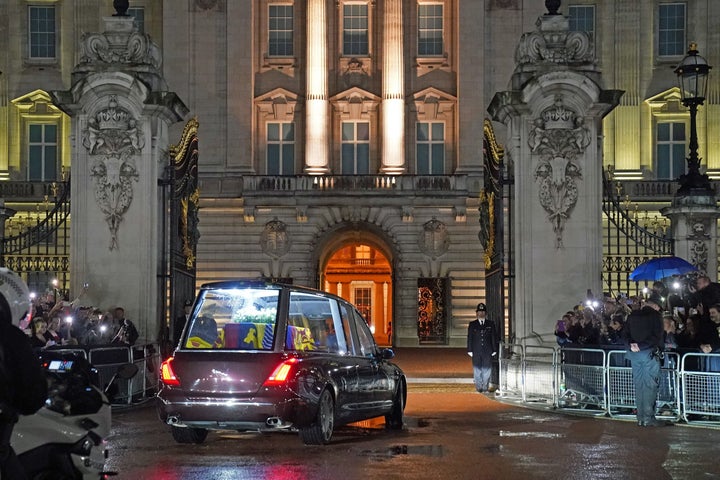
(355, 30)
(280, 31)
(430, 148)
(355, 154)
(671, 150)
(582, 18)
(671, 29)
(42, 32)
(430, 30)
(138, 14)
(280, 148)
(42, 152)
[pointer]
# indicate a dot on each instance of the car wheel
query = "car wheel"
(394, 419)
(189, 434)
(320, 432)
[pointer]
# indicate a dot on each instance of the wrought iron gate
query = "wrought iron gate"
(181, 231)
(492, 229)
(626, 243)
(36, 244)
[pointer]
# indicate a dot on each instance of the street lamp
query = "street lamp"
(693, 72)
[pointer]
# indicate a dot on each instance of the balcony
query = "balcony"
(31, 192)
(347, 184)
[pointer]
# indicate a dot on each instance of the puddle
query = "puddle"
(395, 450)
(504, 433)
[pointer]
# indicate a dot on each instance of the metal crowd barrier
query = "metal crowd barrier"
(599, 382)
(108, 358)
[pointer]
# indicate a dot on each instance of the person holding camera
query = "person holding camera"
(644, 340)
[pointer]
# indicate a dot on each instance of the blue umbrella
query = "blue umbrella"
(662, 267)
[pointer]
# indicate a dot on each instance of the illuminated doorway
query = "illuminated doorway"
(361, 273)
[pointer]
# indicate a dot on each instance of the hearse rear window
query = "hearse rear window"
(234, 319)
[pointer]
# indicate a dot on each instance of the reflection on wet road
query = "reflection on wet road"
(451, 433)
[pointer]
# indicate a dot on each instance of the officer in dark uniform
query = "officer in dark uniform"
(482, 345)
(644, 336)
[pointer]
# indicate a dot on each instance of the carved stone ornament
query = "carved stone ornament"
(699, 255)
(133, 48)
(274, 239)
(434, 240)
(112, 138)
(355, 73)
(558, 136)
(699, 227)
(555, 46)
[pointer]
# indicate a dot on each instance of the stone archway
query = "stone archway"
(356, 263)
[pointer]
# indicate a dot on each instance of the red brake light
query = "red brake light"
(167, 375)
(281, 373)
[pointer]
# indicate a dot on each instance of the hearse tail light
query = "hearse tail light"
(167, 375)
(281, 373)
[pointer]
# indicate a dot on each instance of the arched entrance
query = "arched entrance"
(357, 266)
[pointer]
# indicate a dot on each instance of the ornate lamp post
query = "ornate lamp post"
(692, 74)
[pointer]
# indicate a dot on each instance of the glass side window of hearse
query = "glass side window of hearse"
(365, 338)
(235, 319)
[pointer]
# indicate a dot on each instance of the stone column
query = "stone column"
(317, 113)
(393, 98)
(694, 230)
(554, 117)
(120, 111)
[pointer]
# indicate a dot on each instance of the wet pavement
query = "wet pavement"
(451, 432)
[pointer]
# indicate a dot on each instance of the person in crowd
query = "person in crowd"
(482, 346)
(710, 339)
(706, 294)
(688, 338)
(590, 332)
(660, 290)
(575, 330)
(561, 329)
(615, 333)
(52, 334)
(38, 329)
(23, 388)
(127, 334)
(643, 339)
(669, 333)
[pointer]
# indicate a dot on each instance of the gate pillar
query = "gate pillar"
(553, 115)
(693, 220)
(121, 112)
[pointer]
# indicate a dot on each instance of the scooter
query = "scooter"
(65, 440)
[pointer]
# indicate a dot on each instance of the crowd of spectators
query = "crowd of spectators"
(60, 322)
(691, 318)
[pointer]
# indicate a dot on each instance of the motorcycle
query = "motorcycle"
(65, 440)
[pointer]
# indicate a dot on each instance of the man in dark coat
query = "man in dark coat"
(644, 336)
(482, 345)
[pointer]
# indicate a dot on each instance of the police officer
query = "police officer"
(644, 336)
(23, 388)
(482, 345)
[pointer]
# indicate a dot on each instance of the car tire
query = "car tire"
(394, 419)
(189, 434)
(321, 430)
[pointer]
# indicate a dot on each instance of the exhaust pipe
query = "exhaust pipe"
(273, 422)
(173, 420)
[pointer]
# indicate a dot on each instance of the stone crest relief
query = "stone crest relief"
(558, 136)
(274, 240)
(113, 139)
(699, 236)
(434, 239)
